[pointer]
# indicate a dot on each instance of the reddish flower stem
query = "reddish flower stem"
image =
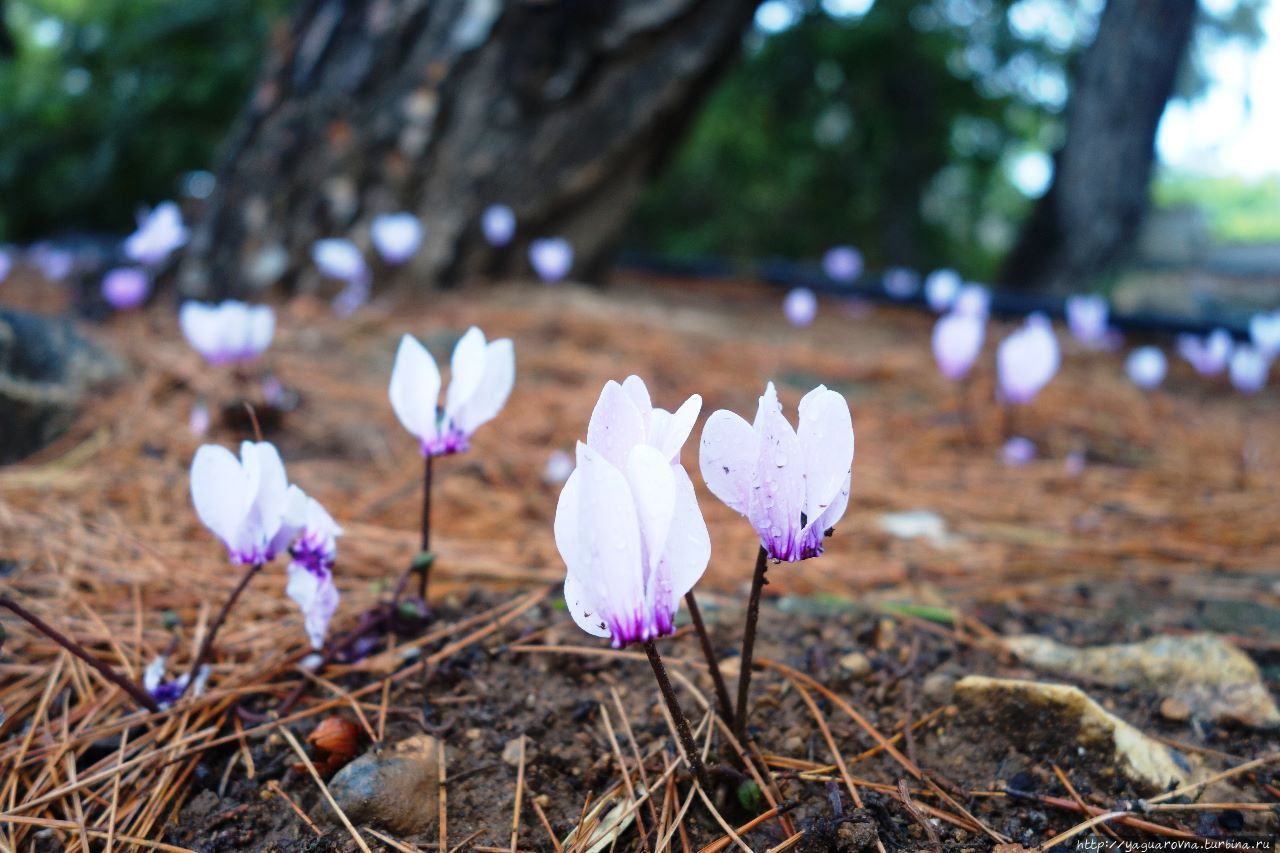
(758, 582)
(682, 725)
(140, 696)
(709, 652)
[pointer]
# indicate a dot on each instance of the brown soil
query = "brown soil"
(1172, 526)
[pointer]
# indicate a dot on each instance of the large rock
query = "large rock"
(46, 369)
(1041, 719)
(1203, 672)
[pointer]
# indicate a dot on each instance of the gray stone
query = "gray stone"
(46, 369)
(394, 788)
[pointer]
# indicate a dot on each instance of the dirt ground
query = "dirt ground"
(1169, 526)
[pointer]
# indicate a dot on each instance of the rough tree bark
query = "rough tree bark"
(560, 109)
(1087, 221)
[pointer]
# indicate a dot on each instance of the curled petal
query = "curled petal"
(317, 598)
(668, 433)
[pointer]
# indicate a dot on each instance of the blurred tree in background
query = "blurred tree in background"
(918, 130)
(105, 103)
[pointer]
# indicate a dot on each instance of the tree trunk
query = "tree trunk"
(1087, 221)
(560, 109)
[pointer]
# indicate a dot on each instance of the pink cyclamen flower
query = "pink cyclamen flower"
(558, 468)
(1248, 370)
(633, 541)
(125, 287)
(941, 288)
(311, 571)
(482, 377)
(551, 258)
(1264, 331)
(338, 257)
(6, 262)
(973, 300)
(1208, 355)
(229, 332)
(1146, 367)
(159, 233)
(396, 236)
(247, 502)
(842, 264)
(198, 421)
(792, 485)
(498, 222)
(800, 306)
(1018, 451)
(901, 283)
(54, 264)
(957, 341)
(1087, 319)
(1026, 360)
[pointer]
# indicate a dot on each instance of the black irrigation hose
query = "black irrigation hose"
(1005, 304)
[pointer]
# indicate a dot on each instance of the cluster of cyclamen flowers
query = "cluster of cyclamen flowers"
(631, 533)
(250, 505)
(160, 233)
(397, 237)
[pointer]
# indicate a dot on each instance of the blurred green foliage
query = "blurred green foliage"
(903, 127)
(105, 103)
(1237, 209)
(896, 125)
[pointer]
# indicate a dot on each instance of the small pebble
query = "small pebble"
(1174, 709)
(857, 664)
(938, 687)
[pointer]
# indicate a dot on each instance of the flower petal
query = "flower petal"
(688, 549)
(777, 498)
(607, 551)
(616, 425)
(580, 608)
(199, 325)
(317, 598)
(638, 392)
(669, 433)
(220, 492)
(494, 389)
(826, 439)
(466, 370)
(415, 389)
(727, 457)
(653, 488)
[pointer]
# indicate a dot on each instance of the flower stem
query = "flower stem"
(206, 647)
(682, 725)
(749, 644)
(426, 527)
(709, 652)
(135, 692)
